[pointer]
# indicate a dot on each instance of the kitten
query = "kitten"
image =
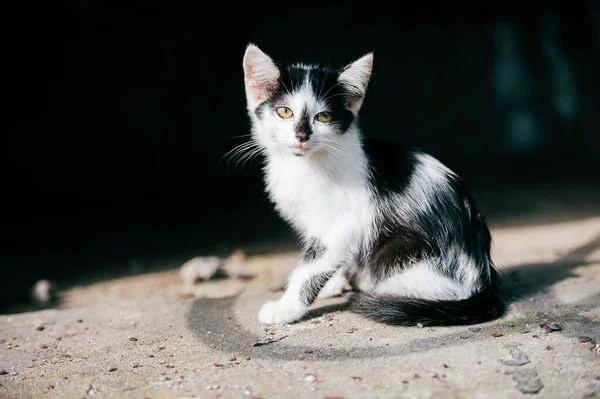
(397, 222)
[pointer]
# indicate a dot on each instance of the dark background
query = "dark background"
(119, 114)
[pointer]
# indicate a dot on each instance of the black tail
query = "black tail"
(397, 310)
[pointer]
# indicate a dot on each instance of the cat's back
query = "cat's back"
(390, 165)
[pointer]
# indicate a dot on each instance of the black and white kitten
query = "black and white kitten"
(398, 223)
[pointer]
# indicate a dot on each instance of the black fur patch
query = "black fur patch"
(324, 85)
(412, 230)
(396, 310)
(303, 128)
(313, 250)
(310, 290)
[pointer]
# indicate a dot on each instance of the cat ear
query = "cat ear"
(261, 75)
(355, 78)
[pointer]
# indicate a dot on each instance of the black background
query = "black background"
(118, 116)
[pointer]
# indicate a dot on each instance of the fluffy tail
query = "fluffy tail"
(397, 310)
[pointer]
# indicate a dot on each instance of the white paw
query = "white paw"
(334, 286)
(275, 312)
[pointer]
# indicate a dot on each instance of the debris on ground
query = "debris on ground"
(550, 327)
(268, 341)
(474, 329)
(528, 381)
(583, 339)
(43, 292)
(496, 335)
(596, 349)
(92, 391)
(199, 269)
(310, 378)
(519, 358)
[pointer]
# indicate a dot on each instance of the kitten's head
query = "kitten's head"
(301, 109)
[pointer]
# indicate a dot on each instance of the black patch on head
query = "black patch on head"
(411, 230)
(311, 288)
(303, 128)
(325, 87)
(260, 110)
(313, 250)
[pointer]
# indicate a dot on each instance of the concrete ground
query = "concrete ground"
(149, 336)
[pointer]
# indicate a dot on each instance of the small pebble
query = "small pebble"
(308, 351)
(170, 366)
(212, 387)
(247, 392)
(40, 328)
(549, 348)
(232, 359)
(420, 325)
(199, 269)
(496, 335)
(92, 391)
(356, 378)
(112, 369)
(550, 327)
(474, 329)
(310, 378)
(3, 372)
(43, 292)
(583, 339)
(432, 374)
(528, 381)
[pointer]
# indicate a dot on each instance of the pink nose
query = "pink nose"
(302, 137)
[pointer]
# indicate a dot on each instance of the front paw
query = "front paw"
(275, 312)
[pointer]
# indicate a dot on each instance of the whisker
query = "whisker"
(331, 88)
(236, 151)
(324, 78)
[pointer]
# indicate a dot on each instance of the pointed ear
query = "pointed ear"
(261, 75)
(355, 78)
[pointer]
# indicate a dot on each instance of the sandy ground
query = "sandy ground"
(149, 336)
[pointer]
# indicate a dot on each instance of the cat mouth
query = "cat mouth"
(300, 150)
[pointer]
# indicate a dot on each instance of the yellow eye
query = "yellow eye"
(284, 112)
(323, 117)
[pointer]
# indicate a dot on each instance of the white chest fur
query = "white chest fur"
(319, 197)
